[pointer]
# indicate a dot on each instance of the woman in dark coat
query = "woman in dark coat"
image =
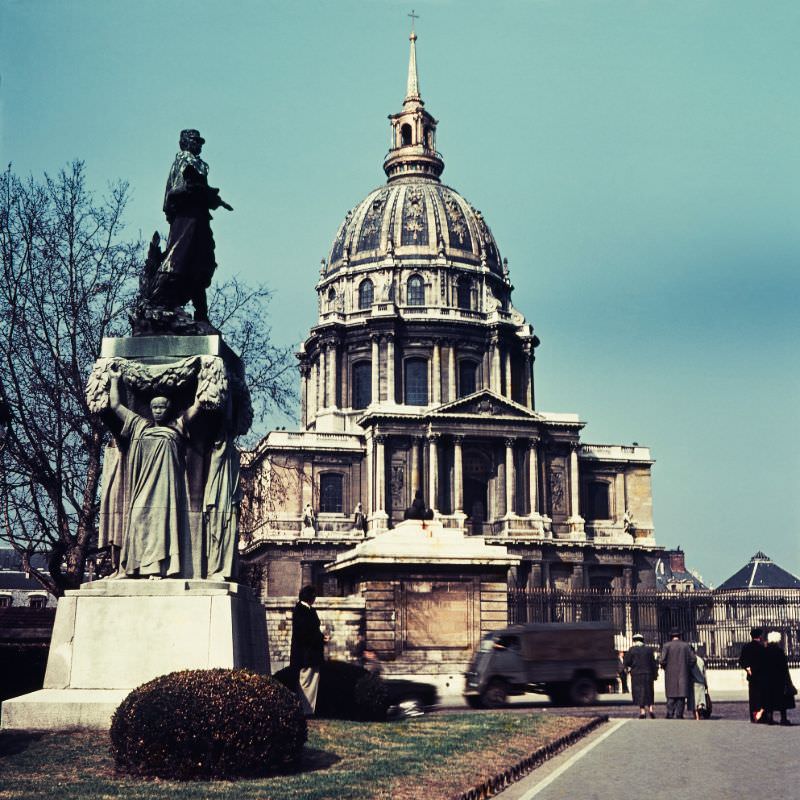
(777, 689)
(640, 660)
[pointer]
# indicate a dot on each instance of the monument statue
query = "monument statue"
(184, 270)
(169, 502)
(157, 508)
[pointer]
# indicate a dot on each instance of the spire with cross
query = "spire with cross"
(412, 88)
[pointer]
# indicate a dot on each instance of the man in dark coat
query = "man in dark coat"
(308, 649)
(640, 660)
(751, 660)
(677, 660)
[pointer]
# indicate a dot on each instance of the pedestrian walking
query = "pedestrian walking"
(622, 672)
(777, 690)
(640, 660)
(677, 660)
(699, 687)
(751, 660)
(307, 651)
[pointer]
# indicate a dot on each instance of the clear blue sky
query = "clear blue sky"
(638, 163)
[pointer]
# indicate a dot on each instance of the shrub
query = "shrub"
(346, 691)
(201, 724)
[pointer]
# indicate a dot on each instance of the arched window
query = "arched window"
(416, 382)
(415, 291)
(464, 293)
(405, 135)
(467, 372)
(362, 384)
(330, 493)
(331, 294)
(366, 294)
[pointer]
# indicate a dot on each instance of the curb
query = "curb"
(502, 780)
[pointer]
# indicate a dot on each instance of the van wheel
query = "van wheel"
(494, 695)
(583, 692)
(473, 701)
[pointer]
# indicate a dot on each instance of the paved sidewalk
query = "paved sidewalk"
(664, 759)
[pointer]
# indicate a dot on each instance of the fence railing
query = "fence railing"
(718, 624)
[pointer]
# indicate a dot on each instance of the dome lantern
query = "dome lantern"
(413, 150)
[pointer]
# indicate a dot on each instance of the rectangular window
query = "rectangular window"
(416, 382)
(330, 493)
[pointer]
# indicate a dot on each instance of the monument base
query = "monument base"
(111, 636)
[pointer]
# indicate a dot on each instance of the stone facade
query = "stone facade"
(418, 376)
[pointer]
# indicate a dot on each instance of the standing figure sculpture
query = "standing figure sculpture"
(157, 524)
(187, 266)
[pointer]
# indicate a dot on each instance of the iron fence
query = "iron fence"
(718, 624)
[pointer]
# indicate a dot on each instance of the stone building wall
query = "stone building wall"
(341, 617)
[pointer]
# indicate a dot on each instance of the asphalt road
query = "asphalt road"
(628, 759)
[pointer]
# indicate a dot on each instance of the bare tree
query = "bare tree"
(68, 279)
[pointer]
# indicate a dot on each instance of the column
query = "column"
(533, 478)
(323, 376)
(433, 469)
(508, 373)
(451, 372)
(380, 472)
(494, 381)
(416, 483)
(575, 518)
(527, 366)
(458, 475)
(375, 391)
(509, 477)
(333, 374)
(370, 505)
(390, 387)
(436, 393)
(304, 373)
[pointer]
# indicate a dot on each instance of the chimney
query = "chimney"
(676, 561)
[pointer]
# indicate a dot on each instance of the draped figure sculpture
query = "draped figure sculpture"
(157, 524)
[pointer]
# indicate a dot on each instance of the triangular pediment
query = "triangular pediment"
(485, 403)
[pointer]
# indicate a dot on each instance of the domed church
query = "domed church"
(417, 381)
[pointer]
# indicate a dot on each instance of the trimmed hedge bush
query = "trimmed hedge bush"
(346, 691)
(208, 724)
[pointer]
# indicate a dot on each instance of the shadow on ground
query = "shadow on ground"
(13, 742)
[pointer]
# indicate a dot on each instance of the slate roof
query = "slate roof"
(761, 573)
(665, 575)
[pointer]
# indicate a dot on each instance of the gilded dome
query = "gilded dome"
(414, 218)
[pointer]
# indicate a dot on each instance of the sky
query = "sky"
(638, 162)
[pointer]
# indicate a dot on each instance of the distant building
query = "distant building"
(672, 575)
(760, 594)
(19, 590)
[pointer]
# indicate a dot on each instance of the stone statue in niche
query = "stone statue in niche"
(170, 491)
(183, 272)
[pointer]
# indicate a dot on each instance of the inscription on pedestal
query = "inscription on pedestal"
(437, 614)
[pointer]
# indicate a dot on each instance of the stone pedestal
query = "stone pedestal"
(430, 594)
(112, 636)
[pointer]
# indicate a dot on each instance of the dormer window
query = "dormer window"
(366, 294)
(464, 294)
(415, 291)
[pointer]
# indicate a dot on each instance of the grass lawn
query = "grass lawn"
(435, 757)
